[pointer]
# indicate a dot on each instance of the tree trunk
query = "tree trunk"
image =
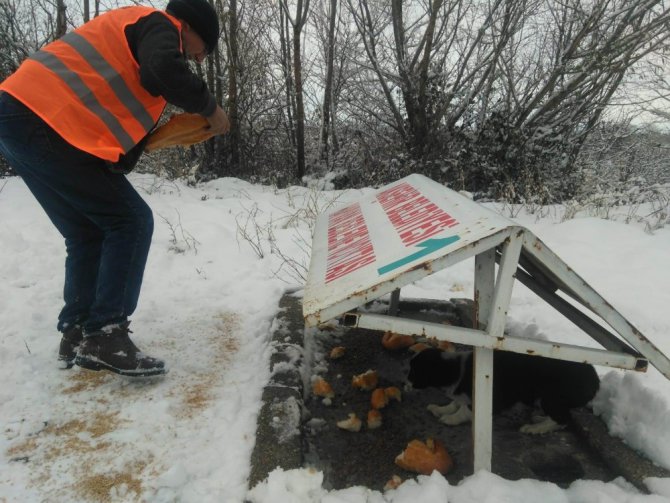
(286, 68)
(414, 75)
(302, 9)
(233, 69)
(300, 107)
(328, 91)
(61, 19)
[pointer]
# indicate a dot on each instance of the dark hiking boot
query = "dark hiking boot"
(111, 349)
(69, 344)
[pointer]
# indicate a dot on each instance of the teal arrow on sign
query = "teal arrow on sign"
(428, 247)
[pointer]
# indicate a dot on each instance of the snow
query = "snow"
(207, 308)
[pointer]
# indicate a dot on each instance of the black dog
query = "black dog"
(557, 385)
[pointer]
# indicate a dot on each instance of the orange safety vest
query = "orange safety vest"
(86, 86)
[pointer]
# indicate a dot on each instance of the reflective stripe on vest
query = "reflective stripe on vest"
(79, 88)
(97, 61)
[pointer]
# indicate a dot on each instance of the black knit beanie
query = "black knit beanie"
(201, 16)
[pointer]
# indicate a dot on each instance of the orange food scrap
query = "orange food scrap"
(320, 387)
(393, 393)
(378, 400)
(337, 352)
(374, 419)
(352, 423)
(443, 345)
(446, 346)
(393, 483)
(420, 457)
(366, 381)
(396, 341)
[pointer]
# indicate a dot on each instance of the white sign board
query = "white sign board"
(414, 227)
(366, 249)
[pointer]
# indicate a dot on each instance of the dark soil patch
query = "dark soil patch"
(367, 458)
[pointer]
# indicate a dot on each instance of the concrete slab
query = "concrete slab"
(279, 425)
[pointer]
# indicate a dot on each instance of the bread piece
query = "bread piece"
(320, 387)
(351, 424)
(378, 399)
(393, 393)
(366, 381)
(374, 419)
(337, 352)
(423, 458)
(394, 341)
(393, 483)
(181, 129)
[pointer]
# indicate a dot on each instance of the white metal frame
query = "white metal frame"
(492, 298)
(520, 255)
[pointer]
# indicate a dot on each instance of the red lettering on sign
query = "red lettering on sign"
(413, 215)
(397, 195)
(349, 245)
(427, 228)
(364, 256)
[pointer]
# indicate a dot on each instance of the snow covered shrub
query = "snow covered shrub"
(625, 175)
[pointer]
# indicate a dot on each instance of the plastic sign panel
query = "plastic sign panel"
(364, 249)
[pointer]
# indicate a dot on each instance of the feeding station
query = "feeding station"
(415, 227)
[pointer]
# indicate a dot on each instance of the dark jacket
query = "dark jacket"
(154, 41)
(164, 70)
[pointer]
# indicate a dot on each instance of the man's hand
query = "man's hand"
(218, 121)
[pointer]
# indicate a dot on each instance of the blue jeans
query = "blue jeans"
(106, 225)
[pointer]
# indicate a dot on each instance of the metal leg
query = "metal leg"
(502, 292)
(482, 399)
(482, 405)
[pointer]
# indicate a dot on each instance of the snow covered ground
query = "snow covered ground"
(207, 307)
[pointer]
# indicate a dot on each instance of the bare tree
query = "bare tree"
(233, 70)
(526, 79)
(13, 39)
(61, 19)
(591, 55)
(443, 53)
(297, 23)
(328, 87)
(286, 59)
(647, 89)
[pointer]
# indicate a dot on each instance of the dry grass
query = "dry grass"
(86, 380)
(80, 438)
(100, 487)
(196, 392)
(81, 444)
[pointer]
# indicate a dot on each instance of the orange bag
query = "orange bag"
(182, 129)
